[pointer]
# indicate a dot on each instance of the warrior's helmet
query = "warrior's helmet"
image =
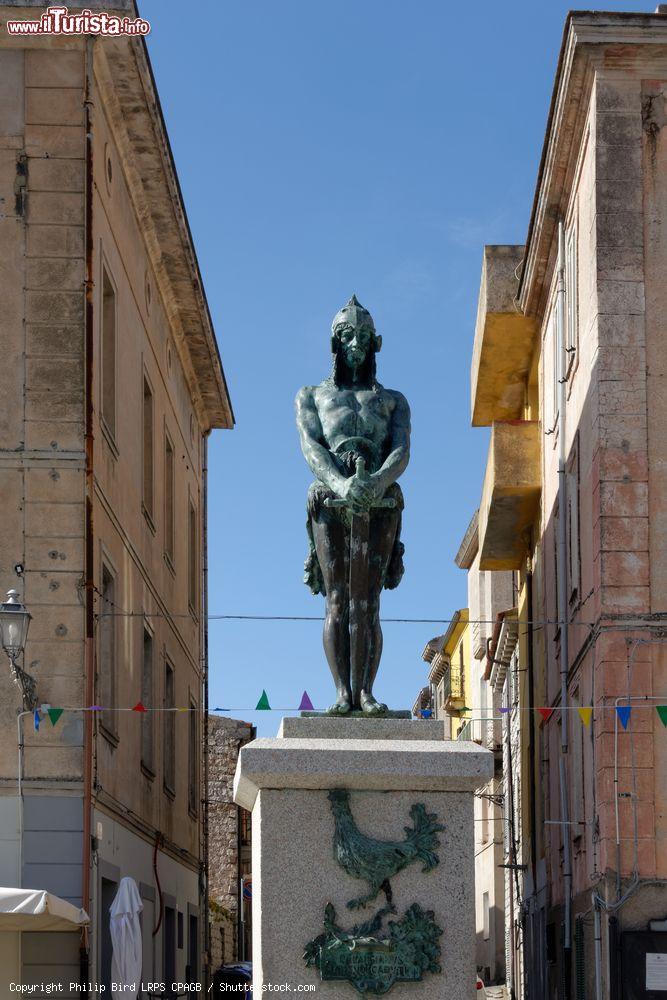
(354, 314)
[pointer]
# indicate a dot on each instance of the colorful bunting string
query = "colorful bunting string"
(585, 714)
(306, 704)
(263, 703)
(624, 712)
(54, 714)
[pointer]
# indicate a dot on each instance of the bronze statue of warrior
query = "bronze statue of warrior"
(355, 436)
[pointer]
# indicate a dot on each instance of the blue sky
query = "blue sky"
(325, 148)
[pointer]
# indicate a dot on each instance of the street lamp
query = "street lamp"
(14, 624)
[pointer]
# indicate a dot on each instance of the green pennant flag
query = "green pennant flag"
(662, 712)
(54, 714)
(263, 703)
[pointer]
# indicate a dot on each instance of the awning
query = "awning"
(38, 910)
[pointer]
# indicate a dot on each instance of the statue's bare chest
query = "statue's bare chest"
(354, 413)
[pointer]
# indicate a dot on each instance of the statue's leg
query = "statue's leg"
(383, 528)
(331, 537)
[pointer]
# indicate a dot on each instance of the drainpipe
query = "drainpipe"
(597, 917)
(89, 649)
(204, 890)
(540, 974)
(562, 593)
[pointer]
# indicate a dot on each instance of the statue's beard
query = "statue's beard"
(361, 376)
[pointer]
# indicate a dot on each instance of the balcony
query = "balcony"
(504, 340)
(510, 495)
(486, 732)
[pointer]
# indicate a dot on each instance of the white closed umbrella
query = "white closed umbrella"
(126, 937)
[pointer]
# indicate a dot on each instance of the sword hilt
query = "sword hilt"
(387, 502)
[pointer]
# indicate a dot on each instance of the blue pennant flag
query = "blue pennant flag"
(623, 712)
(37, 719)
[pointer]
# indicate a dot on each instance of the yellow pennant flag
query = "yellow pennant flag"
(585, 714)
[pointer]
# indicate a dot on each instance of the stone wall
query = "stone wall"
(226, 737)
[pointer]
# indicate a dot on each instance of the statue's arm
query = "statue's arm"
(314, 450)
(397, 460)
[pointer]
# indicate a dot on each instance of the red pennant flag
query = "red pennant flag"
(139, 708)
(546, 713)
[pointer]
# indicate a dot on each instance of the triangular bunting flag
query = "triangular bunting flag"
(263, 703)
(662, 712)
(182, 709)
(306, 704)
(623, 712)
(504, 711)
(585, 714)
(139, 708)
(54, 714)
(546, 713)
(222, 709)
(466, 709)
(94, 708)
(37, 720)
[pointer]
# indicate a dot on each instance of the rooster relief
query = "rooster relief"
(376, 861)
(379, 952)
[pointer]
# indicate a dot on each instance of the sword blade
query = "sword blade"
(359, 558)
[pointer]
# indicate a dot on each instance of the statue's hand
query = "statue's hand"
(360, 494)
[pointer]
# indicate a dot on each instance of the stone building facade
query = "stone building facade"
(228, 844)
(568, 371)
(111, 382)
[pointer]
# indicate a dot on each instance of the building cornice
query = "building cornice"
(469, 545)
(131, 104)
(587, 36)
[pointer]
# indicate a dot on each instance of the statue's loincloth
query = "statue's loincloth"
(316, 509)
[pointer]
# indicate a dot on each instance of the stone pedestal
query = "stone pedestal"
(388, 765)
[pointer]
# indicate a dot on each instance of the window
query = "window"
(169, 499)
(245, 826)
(108, 400)
(193, 759)
(484, 810)
(486, 916)
(571, 297)
(485, 725)
(147, 449)
(169, 729)
(107, 663)
(148, 701)
(169, 948)
(192, 968)
(573, 541)
(108, 890)
(555, 373)
(192, 557)
(576, 734)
